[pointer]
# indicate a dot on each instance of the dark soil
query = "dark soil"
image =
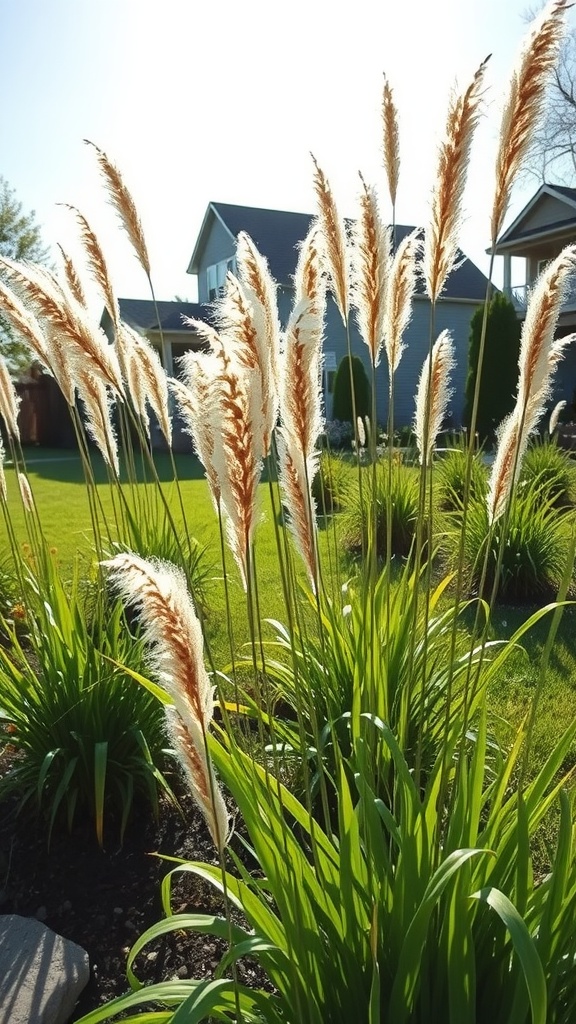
(105, 899)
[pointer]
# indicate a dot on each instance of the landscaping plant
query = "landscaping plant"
(389, 869)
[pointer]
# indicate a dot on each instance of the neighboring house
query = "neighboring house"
(546, 224)
(277, 235)
(162, 324)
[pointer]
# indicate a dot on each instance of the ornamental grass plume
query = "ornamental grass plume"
(9, 401)
(97, 265)
(432, 395)
(124, 205)
(334, 242)
(370, 269)
(242, 344)
(67, 323)
(555, 416)
(197, 399)
(24, 322)
(301, 424)
(525, 103)
(260, 290)
(26, 493)
(540, 353)
(98, 421)
(237, 460)
(401, 289)
(173, 636)
(390, 141)
(72, 277)
(145, 364)
(301, 419)
(441, 238)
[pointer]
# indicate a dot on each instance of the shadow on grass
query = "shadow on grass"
(65, 465)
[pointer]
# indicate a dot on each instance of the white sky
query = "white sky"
(224, 101)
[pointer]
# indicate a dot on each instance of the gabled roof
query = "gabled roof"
(516, 232)
(278, 234)
(144, 315)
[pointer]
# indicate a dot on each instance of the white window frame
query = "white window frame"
(216, 277)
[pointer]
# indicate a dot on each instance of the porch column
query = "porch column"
(508, 275)
(167, 362)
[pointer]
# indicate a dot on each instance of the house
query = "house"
(277, 234)
(163, 325)
(542, 229)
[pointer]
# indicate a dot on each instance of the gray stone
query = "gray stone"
(41, 974)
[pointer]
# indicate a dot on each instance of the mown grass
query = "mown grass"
(57, 483)
(60, 493)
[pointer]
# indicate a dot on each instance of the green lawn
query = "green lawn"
(61, 497)
(60, 493)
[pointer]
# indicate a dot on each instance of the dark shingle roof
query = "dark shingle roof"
(564, 190)
(278, 233)
(142, 315)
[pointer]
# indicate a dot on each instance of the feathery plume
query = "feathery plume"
(301, 422)
(525, 102)
(299, 504)
(97, 264)
(540, 353)
(441, 238)
(401, 288)
(96, 398)
(124, 205)
(334, 244)
(308, 278)
(25, 492)
(198, 399)
(361, 432)
(152, 384)
(539, 350)
(72, 278)
(260, 291)
(242, 344)
(67, 321)
(555, 416)
(9, 401)
(237, 457)
(432, 395)
(206, 334)
(370, 265)
(173, 636)
(390, 140)
(23, 322)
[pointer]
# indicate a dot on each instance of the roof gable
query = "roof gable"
(552, 207)
(279, 233)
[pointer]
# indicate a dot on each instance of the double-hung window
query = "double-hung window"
(216, 277)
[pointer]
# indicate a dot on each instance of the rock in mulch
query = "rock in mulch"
(41, 974)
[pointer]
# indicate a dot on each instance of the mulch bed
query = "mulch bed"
(105, 899)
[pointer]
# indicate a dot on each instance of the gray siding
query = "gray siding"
(547, 211)
(219, 246)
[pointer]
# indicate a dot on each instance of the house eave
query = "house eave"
(211, 211)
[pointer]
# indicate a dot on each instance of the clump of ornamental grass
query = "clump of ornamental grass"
(452, 472)
(523, 560)
(551, 470)
(394, 505)
(91, 745)
(398, 883)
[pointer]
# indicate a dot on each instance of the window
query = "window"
(216, 277)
